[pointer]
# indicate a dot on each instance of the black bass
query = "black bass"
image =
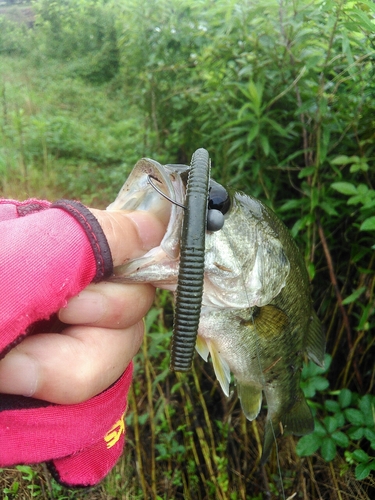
(257, 320)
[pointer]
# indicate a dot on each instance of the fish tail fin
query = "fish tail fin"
(315, 341)
(298, 420)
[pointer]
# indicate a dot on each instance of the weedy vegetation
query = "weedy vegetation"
(282, 94)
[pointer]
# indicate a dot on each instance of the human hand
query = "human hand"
(106, 329)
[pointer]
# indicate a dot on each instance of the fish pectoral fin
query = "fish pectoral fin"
(251, 400)
(221, 367)
(202, 347)
(315, 341)
(270, 321)
(298, 420)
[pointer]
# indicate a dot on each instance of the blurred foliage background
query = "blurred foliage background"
(282, 94)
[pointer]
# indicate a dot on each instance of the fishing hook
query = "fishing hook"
(149, 177)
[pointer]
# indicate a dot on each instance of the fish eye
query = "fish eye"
(218, 197)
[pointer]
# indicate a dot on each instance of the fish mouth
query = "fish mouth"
(160, 190)
(154, 188)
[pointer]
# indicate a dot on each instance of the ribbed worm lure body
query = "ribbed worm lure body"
(191, 271)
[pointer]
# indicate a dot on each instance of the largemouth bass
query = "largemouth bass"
(257, 320)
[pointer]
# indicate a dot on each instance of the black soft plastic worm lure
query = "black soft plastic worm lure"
(191, 272)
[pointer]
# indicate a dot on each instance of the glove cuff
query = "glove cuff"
(95, 234)
(80, 442)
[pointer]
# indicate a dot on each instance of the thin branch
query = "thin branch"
(345, 318)
(332, 276)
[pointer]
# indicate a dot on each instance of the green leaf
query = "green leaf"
(320, 383)
(308, 388)
(345, 398)
(367, 407)
(299, 224)
(364, 316)
(368, 224)
(252, 134)
(354, 296)
(370, 435)
(362, 189)
(319, 430)
(369, 203)
(340, 419)
(255, 93)
(342, 160)
(355, 200)
(308, 445)
(356, 433)
(328, 449)
(332, 406)
(313, 384)
(347, 51)
(363, 470)
(360, 456)
(331, 424)
(282, 131)
(340, 439)
(354, 416)
(359, 166)
(329, 209)
(344, 188)
(311, 369)
(291, 205)
(311, 270)
(363, 20)
(305, 172)
(263, 139)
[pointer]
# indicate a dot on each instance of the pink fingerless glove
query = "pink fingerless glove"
(80, 443)
(49, 253)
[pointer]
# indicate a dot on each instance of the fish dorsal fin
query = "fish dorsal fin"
(315, 341)
(251, 399)
(202, 347)
(221, 367)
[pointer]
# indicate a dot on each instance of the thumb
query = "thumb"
(130, 234)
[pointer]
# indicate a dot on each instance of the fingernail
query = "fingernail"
(86, 307)
(150, 228)
(18, 374)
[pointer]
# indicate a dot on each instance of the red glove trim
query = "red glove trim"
(95, 234)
